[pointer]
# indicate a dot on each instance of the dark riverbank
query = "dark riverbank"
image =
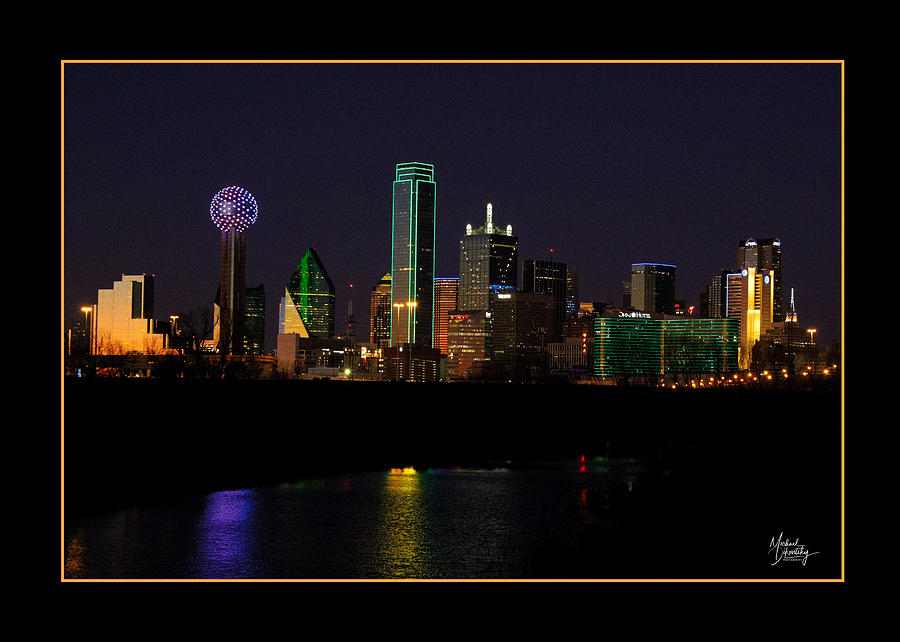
(726, 469)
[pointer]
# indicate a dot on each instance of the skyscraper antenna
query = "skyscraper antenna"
(351, 320)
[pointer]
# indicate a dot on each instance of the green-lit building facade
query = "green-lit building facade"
(308, 307)
(644, 344)
(412, 255)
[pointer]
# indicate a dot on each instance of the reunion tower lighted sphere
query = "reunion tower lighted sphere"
(233, 208)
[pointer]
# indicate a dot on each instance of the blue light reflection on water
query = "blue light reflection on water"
(441, 524)
(225, 536)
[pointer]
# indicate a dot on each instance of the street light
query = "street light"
(815, 352)
(87, 310)
(398, 306)
(409, 315)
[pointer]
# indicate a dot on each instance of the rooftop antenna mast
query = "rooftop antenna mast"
(351, 320)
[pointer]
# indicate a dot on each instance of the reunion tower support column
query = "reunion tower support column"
(233, 210)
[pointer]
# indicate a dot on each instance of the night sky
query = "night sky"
(608, 164)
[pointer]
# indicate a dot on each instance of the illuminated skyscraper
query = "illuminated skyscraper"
(233, 210)
(380, 313)
(548, 277)
(445, 301)
(468, 341)
(412, 255)
(653, 287)
(764, 255)
(307, 308)
(123, 318)
(488, 257)
(757, 303)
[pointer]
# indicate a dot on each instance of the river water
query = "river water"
(402, 524)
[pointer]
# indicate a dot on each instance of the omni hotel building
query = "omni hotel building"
(630, 343)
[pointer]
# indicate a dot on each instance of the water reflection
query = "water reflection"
(225, 536)
(74, 556)
(402, 550)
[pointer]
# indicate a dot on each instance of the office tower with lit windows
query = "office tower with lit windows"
(307, 308)
(123, 318)
(412, 255)
(411, 362)
(548, 277)
(488, 258)
(445, 301)
(233, 210)
(468, 341)
(380, 313)
(255, 320)
(653, 287)
(764, 255)
(714, 301)
(733, 302)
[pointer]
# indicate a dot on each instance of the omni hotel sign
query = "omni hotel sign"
(634, 314)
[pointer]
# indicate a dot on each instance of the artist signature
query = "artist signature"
(782, 549)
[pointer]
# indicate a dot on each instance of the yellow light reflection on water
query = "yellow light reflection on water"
(402, 546)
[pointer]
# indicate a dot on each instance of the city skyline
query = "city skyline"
(607, 164)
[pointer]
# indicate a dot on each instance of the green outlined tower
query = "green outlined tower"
(308, 305)
(412, 255)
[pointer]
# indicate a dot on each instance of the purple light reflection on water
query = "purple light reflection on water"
(225, 536)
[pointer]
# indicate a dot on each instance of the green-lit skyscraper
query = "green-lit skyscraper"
(412, 255)
(308, 305)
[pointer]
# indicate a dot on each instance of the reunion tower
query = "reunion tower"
(233, 210)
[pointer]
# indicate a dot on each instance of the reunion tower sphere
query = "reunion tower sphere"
(233, 207)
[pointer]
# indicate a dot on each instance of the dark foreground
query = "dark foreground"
(726, 470)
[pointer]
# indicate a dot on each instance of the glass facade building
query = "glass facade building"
(412, 255)
(255, 320)
(548, 277)
(521, 323)
(308, 305)
(488, 256)
(653, 287)
(642, 344)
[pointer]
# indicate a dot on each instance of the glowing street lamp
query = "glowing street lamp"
(87, 324)
(398, 306)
